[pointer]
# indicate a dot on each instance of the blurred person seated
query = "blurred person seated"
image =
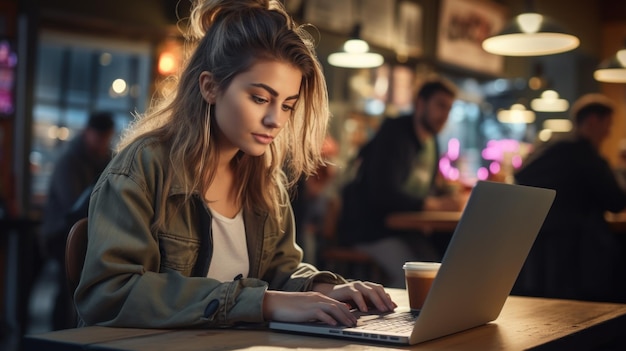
(575, 255)
(398, 171)
(620, 168)
(77, 168)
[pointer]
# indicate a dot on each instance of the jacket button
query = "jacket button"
(211, 308)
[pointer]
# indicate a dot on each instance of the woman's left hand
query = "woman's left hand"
(360, 294)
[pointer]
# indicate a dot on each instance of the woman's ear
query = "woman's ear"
(208, 87)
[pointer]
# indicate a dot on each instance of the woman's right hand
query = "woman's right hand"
(304, 307)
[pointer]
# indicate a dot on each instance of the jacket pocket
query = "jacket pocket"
(178, 253)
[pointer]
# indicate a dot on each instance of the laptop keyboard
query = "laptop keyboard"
(398, 322)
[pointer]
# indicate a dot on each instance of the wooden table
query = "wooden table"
(424, 221)
(525, 323)
(617, 221)
(446, 221)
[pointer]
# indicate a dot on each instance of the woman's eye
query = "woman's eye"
(287, 108)
(258, 99)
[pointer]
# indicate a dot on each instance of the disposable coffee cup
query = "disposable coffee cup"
(419, 277)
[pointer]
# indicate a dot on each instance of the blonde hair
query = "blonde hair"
(227, 38)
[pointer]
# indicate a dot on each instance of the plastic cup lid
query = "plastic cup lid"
(421, 266)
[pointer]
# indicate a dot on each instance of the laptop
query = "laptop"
(482, 261)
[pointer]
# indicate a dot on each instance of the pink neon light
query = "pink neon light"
(454, 174)
(454, 149)
(482, 173)
(516, 161)
(494, 167)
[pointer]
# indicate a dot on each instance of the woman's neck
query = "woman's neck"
(221, 195)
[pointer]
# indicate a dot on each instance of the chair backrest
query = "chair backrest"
(75, 251)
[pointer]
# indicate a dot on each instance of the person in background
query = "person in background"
(75, 171)
(620, 167)
(190, 225)
(575, 255)
(398, 171)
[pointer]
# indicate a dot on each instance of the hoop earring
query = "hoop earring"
(207, 124)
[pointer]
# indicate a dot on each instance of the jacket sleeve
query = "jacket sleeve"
(286, 270)
(124, 283)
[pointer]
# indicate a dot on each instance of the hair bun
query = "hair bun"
(204, 13)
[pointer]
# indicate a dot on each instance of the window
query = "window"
(75, 76)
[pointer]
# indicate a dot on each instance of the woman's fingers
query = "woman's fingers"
(362, 293)
(306, 306)
(333, 313)
(377, 296)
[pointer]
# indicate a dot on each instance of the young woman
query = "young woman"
(190, 224)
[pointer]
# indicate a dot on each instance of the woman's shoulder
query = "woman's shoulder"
(142, 152)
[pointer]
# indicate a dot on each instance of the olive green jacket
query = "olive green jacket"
(136, 277)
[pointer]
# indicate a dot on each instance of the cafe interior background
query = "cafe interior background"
(61, 59)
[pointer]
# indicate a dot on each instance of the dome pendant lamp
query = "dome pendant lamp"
(516, 114)
(613, 69)
(356, 54)
(549, 102)
(530, 34)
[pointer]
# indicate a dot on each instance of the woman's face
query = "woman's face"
(256, 106)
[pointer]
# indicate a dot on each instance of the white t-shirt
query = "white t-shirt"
(423, 167)
(230, 250)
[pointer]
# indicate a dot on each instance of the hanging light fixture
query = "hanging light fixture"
(549, 102)
(558, 125)
(530, 34)
(356, 53)
(613, 69)
(516, 114)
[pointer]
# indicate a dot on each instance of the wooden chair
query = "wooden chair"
(348, 262)
(75, 251)
(351, 264)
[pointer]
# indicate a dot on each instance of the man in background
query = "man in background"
(397, 171)
(78, 167)
(575, 255)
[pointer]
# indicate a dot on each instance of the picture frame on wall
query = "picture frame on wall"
(409, 32)
(333, 15)
(463, 25)
(377, 22)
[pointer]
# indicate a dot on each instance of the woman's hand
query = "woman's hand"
(304, 307)
(360, 294)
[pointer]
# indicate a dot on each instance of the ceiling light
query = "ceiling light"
(356, 54)
(549, 102)
(517, 114)
(545, 135)
(530, 34)
(612, 70)
(558, 125)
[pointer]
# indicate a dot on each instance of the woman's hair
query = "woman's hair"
(229, 37)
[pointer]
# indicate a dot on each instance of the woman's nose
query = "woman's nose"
(273, 118)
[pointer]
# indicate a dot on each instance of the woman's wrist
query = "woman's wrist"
(323, 288)
(267, 307)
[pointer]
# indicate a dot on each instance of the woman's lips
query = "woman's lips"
(263, 138)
